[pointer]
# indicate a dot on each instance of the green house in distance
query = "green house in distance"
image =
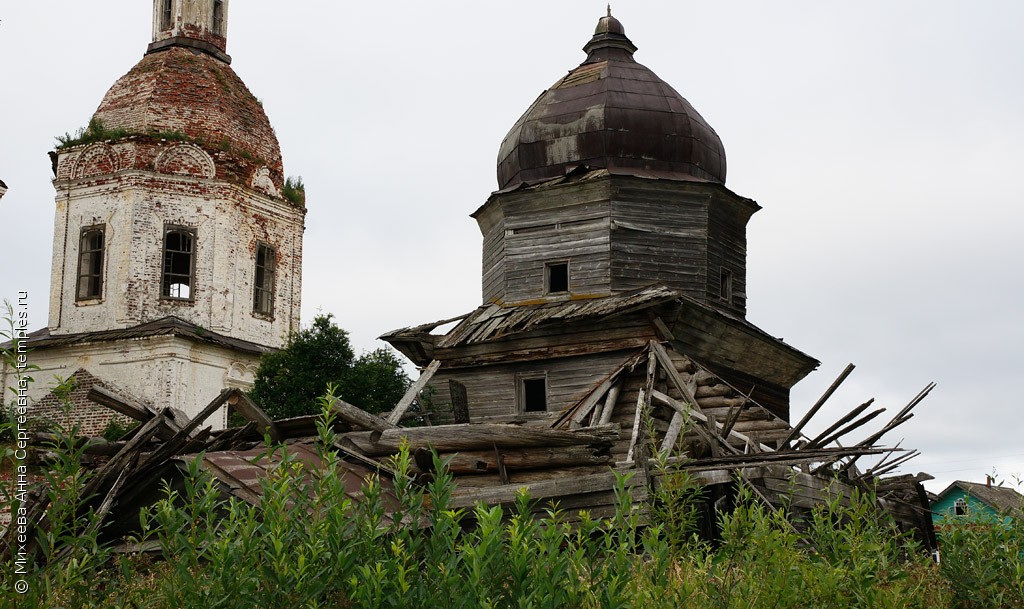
(973, 502)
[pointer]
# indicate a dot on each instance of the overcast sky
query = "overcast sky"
(884, 139)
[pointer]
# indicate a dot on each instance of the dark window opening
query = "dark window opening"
(165, 14)
(179, 263)
(218, 17)
(725, 285)
(263, 285)
(960, 507)
(90, 264)
(558, 277)
(535, 398)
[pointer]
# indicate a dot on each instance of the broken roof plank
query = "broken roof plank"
(414, 390)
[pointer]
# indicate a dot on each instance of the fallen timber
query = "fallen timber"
(656, 402)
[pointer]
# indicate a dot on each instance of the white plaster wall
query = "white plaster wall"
(135, 206)
(163, 370)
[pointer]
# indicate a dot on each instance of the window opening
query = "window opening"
(534, 394)
(960, 507)
(725, 285)
(263, 290)
(90, 264)
(179, 263)
(218, 17)
(557, 277)
(165, 14)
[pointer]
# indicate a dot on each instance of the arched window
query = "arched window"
(218, 17)
(263, 282)
(960, 507)
(179, 263)
(166, 14)
(90, 264)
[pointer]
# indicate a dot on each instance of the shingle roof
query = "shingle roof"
(1000, 498)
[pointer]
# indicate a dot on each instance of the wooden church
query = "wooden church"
(612, 230)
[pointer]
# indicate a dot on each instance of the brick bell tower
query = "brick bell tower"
(173, 220)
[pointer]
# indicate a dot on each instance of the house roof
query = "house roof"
(492, 322)
(167, 326)
(999, 498)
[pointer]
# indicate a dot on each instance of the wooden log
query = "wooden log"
(609, 404)
(478, 436)
(359, 417)
(575, 413)
(413, 391)
(562, 487)
(720, 390)
(817, 441)
(821, 402)
(251, 412)
(643, 405)
(679, 406)
(119, 403)
(470, 462)
(720, 402)
(171, 447)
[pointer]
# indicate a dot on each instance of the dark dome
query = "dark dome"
(611, 113)
(179, 89)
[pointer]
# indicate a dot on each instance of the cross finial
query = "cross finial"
(609, 9)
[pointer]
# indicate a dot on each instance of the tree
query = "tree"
(289, 381)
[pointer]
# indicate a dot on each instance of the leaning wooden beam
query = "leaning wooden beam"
(846, 418)
(251, 412)
(414, 390)
(476, 436)
(119, 403)
(171, 447)
(128, 452)
(673, 375)
(359, 417)
(675, 427)
(611, 398)
(901, 417)
(643, 403)
(680, 407)
(895, 463)
(787, 457)
(817, 405)
(852, 426)
(592, 398)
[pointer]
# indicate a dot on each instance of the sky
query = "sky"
(884, 140)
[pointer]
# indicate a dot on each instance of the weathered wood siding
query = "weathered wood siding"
(727, 249)
(493, 272)
(491, 390)
(660, 236)
(524, 231)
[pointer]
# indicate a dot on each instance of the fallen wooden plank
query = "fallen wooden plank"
(359, 417)
(817, 405)
(478, 436)
(251, 412)
(413, 391)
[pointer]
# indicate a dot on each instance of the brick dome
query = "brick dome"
(611, 113)
(187, 92)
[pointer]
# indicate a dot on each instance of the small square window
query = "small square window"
(557, 277)
(532, 393)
